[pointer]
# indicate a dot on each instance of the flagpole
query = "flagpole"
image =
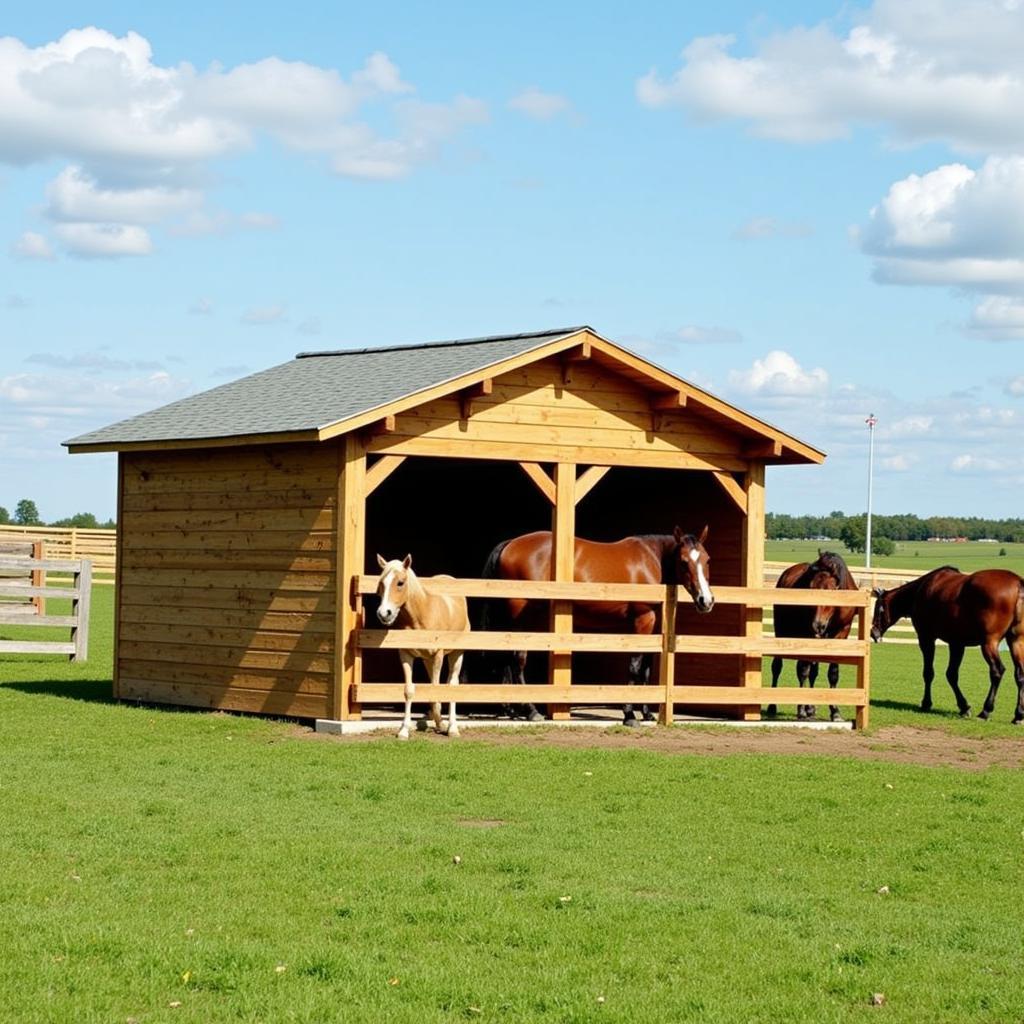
(870, 421)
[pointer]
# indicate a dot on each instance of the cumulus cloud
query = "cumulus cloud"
(95, 361)
(32, 246)
(138, 136)
(926, 70)
(779, 375)
(539, 105)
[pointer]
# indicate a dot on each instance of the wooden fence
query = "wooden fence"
(71, 543)
(668, 691)
(21, 579)
(78, 621)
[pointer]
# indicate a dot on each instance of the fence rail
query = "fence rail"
(77, 648)
(668, 692)
(71, 544)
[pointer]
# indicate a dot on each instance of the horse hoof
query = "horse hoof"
(837, 717)
(966, 713)
(632, 723)
(772, 711)
(535, 716)
(403, 734)
(1017, 721)
(649, 716)
(981, 714)
(925, 706)
(452, 734)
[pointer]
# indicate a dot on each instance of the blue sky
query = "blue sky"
(814, 210)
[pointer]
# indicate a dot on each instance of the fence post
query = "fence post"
(667, 663)
(38, 578)
(80, 610)
(863, 714)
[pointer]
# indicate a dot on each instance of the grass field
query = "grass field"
(917, 555)
(176, 866)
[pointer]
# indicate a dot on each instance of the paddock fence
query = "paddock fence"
(669, 691)
(12, 568)
(71, 544)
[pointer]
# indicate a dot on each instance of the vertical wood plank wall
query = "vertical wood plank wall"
(227, 578)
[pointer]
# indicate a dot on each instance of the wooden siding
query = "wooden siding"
(227, 589)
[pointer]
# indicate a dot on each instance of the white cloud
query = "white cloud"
(897, 463)
(779, 375)
(264, 315)
(139, 136)
(32, 246)
(104, 241)
(1014, 386)
(982, 465)
(941, 70)
(94, 361)
(907, 426)
(539, 105)
(999, 317)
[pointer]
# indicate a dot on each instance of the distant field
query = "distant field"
(918, 555)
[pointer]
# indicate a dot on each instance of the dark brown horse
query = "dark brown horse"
(976, 610)
(654, 558)
(829, 572)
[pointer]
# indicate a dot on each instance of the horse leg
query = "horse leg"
(454, 671)
(811, 711)
(776, 672)
(640, 666)
(833, 681)
(803, 671)
(410, 691)
(956, 655)
(990, 652)
(927, 646)
(529, 712)
(1017, 654)
(628, 714)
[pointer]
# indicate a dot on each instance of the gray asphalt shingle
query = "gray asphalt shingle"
(316, 389)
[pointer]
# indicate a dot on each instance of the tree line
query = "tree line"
(26, 513)
(837, 525)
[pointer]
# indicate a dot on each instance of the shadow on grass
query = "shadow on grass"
(906, 705)
(96, 691)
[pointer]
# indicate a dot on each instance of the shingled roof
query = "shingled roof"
(316, 390)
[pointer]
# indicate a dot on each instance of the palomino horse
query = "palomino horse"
(973, 610)
(829, 572)
(673, 558)
(406, 601)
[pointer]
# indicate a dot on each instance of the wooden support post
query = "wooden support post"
(381, 470)
(350, 556)
(118, 563)
(542, 481)
(863, 713)
(38, 579)
(588, 480)
(753, 576)
(563, 555)
(80, 611)
(667, 664)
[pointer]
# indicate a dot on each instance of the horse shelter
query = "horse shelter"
(249, 519)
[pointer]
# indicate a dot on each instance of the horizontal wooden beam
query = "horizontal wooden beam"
(392, 693)
(385, 425)
(14, 590)
(667, 403)
(32, 564)
(448, 640)
(763, 449)
(35, 647)
(544, 483)
(27, 618)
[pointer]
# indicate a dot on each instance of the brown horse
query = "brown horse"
(973, 610)
(829, 572)
(654, 558)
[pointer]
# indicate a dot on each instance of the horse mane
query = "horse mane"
(836, 567)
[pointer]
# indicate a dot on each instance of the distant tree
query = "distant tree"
(854, 535)
(26, 513)
(5, 516)
(82, 520)
(882, 546)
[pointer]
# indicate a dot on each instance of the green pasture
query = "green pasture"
(176, 866)
(917, 555)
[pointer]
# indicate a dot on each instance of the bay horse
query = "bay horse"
(828, 573)
(406, 601)
(651, 558)
(975, 610)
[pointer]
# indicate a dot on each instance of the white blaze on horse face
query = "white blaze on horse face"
(706, 598)
(387, 610)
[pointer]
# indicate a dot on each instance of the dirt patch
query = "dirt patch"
(900, 744)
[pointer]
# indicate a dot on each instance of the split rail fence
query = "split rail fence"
(77, 648)
(669, 690)
(71, 543)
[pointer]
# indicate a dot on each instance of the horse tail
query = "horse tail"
(491, 571)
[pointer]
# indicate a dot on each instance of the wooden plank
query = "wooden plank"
(35, 647)
(563, 552)
(285, 520)
(227, 675)
(468, 448)
(220, 578)
(212, 636)
(753, 573)
(469, 693)
(543, 482)
(228, 657)
(227, 698)
(137, 559)
(277, 457)
(245, 501)
(667, 661)
(433, 640)
(862, 720)
(351, 547)
(289, 437)
(18, 618)
(16, 590)
(738, 495)
(228, 540)
(38, 578)
(32, 565)
(381, 470)
(252, 620)
(230, 480)
(588, 480)
(80, 609)
(243, 599)
(118, 582)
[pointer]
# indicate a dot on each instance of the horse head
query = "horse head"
(826, 574)
(882, 618)
(392, 587)
(693, 568)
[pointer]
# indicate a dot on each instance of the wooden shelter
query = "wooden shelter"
(249, 516)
